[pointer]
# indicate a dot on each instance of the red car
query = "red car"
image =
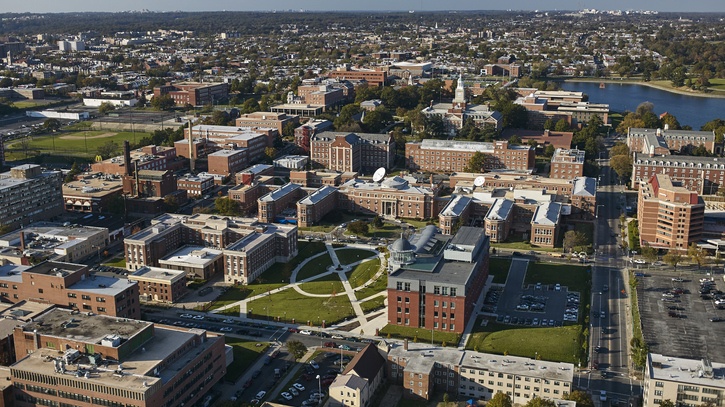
(330, 345)
(327, 382)
(293, 330)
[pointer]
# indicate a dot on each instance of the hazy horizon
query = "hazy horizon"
(46, 6)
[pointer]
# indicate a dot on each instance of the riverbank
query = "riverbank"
(716, 94)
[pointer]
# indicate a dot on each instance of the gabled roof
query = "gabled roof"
(367, 363)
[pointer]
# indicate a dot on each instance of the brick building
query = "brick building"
(312, 208)
(704, 175)
(92, 194)
(228, 162)
(543, 138)
(453, 156)
(195, 185)
(277, 201)
(352, 152)
(247, 196)
(28, 194)
(321, 95)
(70, 285)
(435, 280)
(659, 141)
(267, 119)
(454, 115)
(425, 372)
(150, 183)
(372, 77)
(114, 362)
(394, 197)
(670, 216)
(545, 224)
(304, 133)
(567, 164)
(316, 179)
(249, 257)
(158, 284)
(197, 262)
(154, 158)
(194, 93)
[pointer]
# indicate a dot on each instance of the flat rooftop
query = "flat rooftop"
(196, 255)
(685, 371)
(93, 187)
(156, 273)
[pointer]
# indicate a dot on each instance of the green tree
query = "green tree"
(631, 120)
(515, 140)
(697, 254)
(360, 228)
(171, 203)
(296, 348)
(227, 206)
(582, 398)
(671, 121)
(717, 126)
(51, 124)
(108, 149)
(649, 253)
(477, 163)
(539, 402)
(500, 399)
(106, 107)
(667, 403)
(377, 222)
(346, 116)
(74, 170)
(619, 149)
(562, 125)
(270, 152)
(673, 258)
(575, 241)
(288, 130)
(376, 120)
(622, 165)
(549, 150)
(162, 102)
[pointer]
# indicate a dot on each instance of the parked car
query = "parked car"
(306, 332)
(286, 396)
(299, 387)
(260, 395)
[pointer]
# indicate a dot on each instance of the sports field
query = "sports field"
(82, 144)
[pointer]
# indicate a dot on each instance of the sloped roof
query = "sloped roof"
(367, 363)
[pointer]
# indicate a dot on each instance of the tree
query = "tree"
(74, 170)
(106, 107)
(376, 120)
(288, 130)
(539, 402)
(297, 349)
(673, 258)
(359, 227)
(171, 203)
(649, 253)
(51, 124)
(108, 149)
(582, 398)
(549, 150)
(377, 222)
(162, 102)
(619, 149)
(562, 125)
(667, 403)
(670, 121)
(477, 163)
(696, 254)
(575, 241)
(227, 206)
(622, 165)
(346, 116)
(500, 399)
(515, 140)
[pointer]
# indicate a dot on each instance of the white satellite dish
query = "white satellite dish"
(379, 174)
(479, 181)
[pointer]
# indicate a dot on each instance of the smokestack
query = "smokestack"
(22, 241)
(405, 344)
(138, 192)
(191, 148)
(127, 156)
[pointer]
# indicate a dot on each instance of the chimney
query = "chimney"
(191, 148)
(138, 193)
(22, 241)
(127, 156)
(405, 344)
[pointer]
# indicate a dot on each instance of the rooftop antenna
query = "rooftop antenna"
(379, 174)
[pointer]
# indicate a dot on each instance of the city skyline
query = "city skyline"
(372, 5)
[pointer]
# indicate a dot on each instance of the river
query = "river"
(689, 110)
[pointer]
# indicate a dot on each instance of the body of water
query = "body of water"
(689, 110)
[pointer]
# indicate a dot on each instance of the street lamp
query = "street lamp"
(319, 389)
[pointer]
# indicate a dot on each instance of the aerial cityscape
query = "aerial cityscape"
(306, 204)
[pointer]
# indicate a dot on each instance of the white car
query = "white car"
(293, 391)
(261, 394)
(225, 329)
(188, 316)
(299, 387)
(228, 321)
(198, 317)
(602, 395)
(314, 365)
(639, 261)
(306, 332)
(286, 395)
(336, 337)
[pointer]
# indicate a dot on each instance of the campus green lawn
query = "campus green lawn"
(349, 256)
(388, 231)
(119, 262)
(78, 144)
(292, 304)
(380, 284)
(576, 278)
(315, 266)
(245, 354)
(523, 245)
(363, 272)
(499, 268)
(373, 305)
(325, 285)
(420, 334)
(558, 344)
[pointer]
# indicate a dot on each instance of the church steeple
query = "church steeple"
(460, 97)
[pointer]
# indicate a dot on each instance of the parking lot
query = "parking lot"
(535, 304)
(677, 319)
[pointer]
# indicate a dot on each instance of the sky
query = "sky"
(40, 6)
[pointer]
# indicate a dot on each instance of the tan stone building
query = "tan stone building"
(29, 194)
(267, 119)
(682, 381)
(669, 215)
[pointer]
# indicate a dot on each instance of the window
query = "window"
(444, 290)
(453, 292)
(407, 286)
(436, 289)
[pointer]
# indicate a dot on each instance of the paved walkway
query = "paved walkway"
(360, 318)
(476, 311)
